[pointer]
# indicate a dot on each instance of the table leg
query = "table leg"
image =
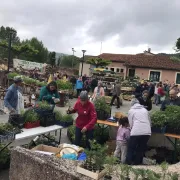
(60, 136)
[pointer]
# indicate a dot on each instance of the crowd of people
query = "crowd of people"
(134, 131)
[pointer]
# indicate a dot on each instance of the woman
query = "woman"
(86, 119)
(79, 85)
(49, 93)
(98, 91)
(140, 125)
(161, 93)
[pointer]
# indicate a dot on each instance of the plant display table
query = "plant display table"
(30, 133)
(107, 123)
(174, 144)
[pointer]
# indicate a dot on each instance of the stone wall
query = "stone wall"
(27, 165)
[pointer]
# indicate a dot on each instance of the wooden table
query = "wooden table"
(107, 123)
(174, 144)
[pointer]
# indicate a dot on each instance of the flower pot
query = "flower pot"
(173, 130)
(64, 124)
(29, 125)
(107, 177)
(47, 120)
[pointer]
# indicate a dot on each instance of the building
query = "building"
(145, 65)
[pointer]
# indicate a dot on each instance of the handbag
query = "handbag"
(162, 98)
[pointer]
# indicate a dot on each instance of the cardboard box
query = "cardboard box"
(46, 149)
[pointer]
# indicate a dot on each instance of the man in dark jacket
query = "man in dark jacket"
(116, 94)
(173, 100)
(151, 90)
(145, 100)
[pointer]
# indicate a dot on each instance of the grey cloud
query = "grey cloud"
(62, 24)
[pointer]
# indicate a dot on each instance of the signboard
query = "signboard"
(27, 64)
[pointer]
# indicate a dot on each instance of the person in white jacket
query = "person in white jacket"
(140, 124)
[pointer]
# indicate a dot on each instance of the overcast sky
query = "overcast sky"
(123, 26)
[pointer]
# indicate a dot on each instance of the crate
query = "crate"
(16, 120)
(47, 119)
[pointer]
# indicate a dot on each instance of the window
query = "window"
(155, 76)
(117, 70)
(122, 70)
(178, 78)
(112, 69)
(131, 72)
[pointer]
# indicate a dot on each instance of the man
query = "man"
(84, 78)
(116, 94)
(145, 100)
(94, 84)
(11, 97)
(151, 90)
(173, 100)
(138, 91)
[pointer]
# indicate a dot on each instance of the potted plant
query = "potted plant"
(31, 119)
(43, 108)
(64, 120)
(110, 161)
(94, 164)
(102, 108)
(125, 171)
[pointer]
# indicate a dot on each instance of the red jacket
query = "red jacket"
(86, 115)
(161, 91)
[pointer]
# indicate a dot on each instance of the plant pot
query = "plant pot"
(173, 130)
(16, 120)
(29, 125)
(7, 137)
(64, 124)
(107, 177)
(62, 100)
(47, 120)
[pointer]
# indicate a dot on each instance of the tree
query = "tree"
(52, 58)
(41, 56)
(69, 61)
(178, 45)
(98, 62)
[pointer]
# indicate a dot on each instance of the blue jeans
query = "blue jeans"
(79, 134)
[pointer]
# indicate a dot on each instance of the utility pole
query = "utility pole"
(73, 57)
(82, 61)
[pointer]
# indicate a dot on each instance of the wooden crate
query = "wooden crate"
(93, 175)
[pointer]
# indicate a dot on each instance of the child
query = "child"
(122, 138)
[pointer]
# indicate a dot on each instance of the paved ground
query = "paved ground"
(64, 139)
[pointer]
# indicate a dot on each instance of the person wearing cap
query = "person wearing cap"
(49, 93)
(140, 125)
(11, 97)
(86, 119)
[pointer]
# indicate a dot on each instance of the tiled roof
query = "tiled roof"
(146, 61)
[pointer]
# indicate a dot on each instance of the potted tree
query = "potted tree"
(4, 158)
(31, 119)
(110, 161)
(103, 110)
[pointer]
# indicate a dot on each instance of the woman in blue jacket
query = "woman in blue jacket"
(79, 85)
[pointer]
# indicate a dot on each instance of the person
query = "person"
(138, 91)
(98, 91)
(79, 85)
(151, 89)
(122, 138)
(161, 93)
(49, 93)
(156, 97)
(86, 85)
(84, 78)
(173, 100)
(94, 84)
(86, 119)
(145, 100)
(13, 95)
(116, 94)
(144, 86)
(73, 81)
(140, 125)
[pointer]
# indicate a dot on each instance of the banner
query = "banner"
(17, 63)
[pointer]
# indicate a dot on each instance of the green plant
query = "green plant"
(4, 155)
(136, 174)
(101, 105)
(5, 127)
(173, 176)
(67, 118)
(125, 171)
(164, 168)
(12, 75)
(31, 116)
(58, 115)
(110, 161)
(43, 105)
(64, 85)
